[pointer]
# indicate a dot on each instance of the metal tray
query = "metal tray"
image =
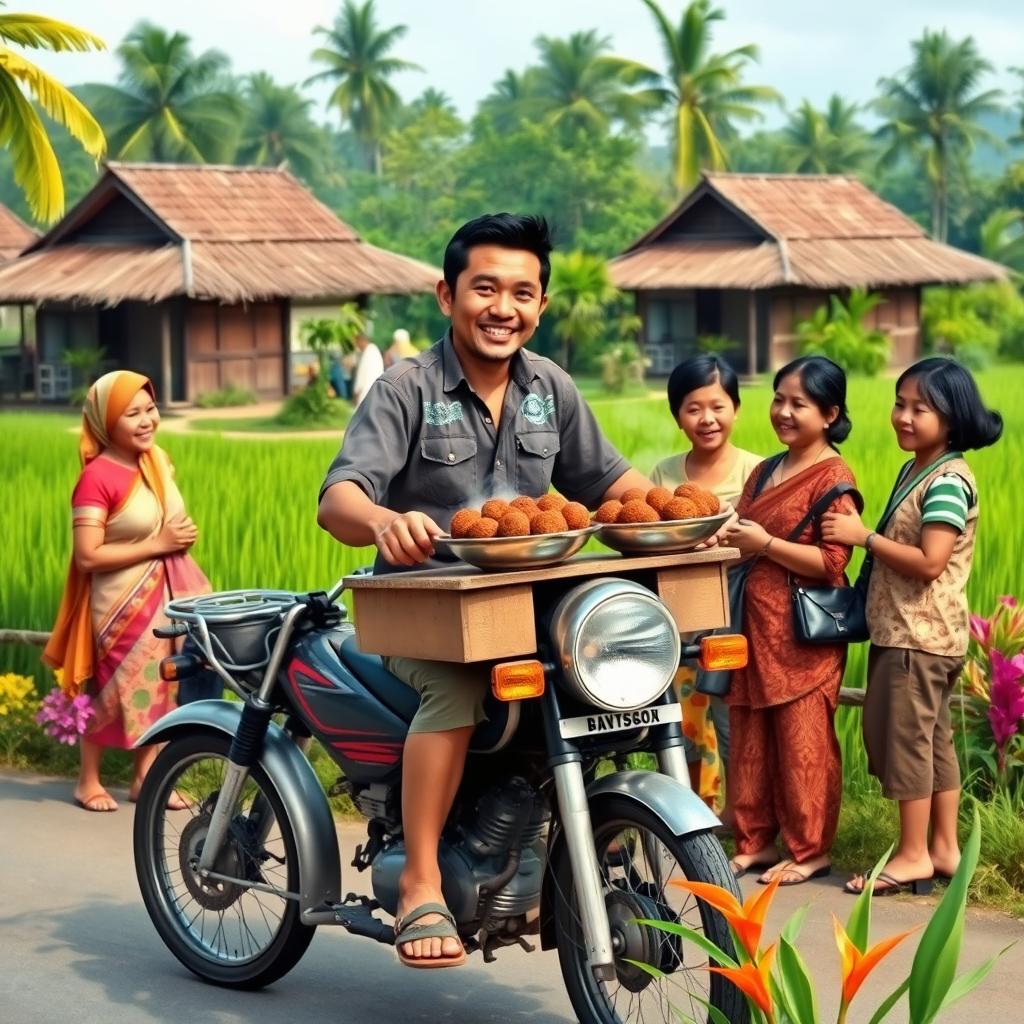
(664, 537)
(531, 552)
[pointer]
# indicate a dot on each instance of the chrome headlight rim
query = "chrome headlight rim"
(566, 633)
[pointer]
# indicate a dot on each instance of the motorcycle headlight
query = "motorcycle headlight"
(617, 644)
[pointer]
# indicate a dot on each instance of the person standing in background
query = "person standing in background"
(368, 369)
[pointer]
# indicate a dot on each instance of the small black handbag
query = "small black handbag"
(830, 615)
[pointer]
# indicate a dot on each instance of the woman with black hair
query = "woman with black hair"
(917, 614)
(786, 776)
(704, 397)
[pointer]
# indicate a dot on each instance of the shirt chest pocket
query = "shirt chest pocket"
(448, 470)
(535, 453)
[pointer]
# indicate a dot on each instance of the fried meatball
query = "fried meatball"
(633, 494)
(575, 515)
(680, 508)
(658, 498)
(637, 511)
(462, 521)
(525, 504)
(494, 509)
(484, 527)
(688, 491)
(608, 512)
(707, 504)
(551, 521)
(513, 524)
(551, 502)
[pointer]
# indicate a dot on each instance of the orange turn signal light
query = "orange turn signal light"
(517, 680)
(719, 653)
(177, 666)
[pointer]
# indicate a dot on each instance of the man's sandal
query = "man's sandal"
(789, 868)
(407, 931)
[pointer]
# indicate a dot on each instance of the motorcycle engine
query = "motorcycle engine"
(510, 816)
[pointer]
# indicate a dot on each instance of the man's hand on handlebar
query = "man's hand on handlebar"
(407, 538)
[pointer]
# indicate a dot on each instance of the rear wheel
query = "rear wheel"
(638, 857)
(227, 932)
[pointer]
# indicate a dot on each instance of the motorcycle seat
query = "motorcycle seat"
(401, 699)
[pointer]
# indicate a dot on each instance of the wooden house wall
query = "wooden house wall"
(235, 346)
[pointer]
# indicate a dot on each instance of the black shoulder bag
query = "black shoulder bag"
(838, 615)
(716, 683)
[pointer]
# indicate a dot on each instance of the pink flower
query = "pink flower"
(1007, 697)
(64, 718)
(1008, 601)
(981, 630)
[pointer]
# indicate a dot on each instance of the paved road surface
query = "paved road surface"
(76, 946)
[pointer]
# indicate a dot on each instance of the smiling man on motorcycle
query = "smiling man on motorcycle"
(473, 417)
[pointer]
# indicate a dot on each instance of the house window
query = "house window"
(669, 330)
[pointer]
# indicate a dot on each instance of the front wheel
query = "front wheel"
(638, 856)
(226, 931)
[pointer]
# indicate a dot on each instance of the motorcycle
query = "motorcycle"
(572, 820)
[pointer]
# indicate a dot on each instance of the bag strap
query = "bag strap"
(901, 492)
(822, 505)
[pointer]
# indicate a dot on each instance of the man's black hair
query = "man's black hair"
(510, 231)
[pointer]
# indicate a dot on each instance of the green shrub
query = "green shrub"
(226, 398)
(313, 407)
(838, 331)
(621, 366)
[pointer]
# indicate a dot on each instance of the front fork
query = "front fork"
(567, 767)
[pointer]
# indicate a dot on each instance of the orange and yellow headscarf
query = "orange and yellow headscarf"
(72, 644)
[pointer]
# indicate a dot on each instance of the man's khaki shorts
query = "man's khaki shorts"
(451, 694)
(907, 729)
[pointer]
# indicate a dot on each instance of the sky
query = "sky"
(809, 48)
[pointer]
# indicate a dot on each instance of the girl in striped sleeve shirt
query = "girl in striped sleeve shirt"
(917, 614)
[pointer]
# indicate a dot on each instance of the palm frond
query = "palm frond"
(40, 33)
(36, 171)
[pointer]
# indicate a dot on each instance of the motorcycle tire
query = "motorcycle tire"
(292, 937)
(701, 858)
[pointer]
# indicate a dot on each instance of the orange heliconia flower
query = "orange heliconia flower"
(857, 965)
(747, 921)
(753, 980)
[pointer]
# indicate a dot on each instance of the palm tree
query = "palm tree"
(170, 105)
(577, 87)
(705, 90)
(581, 294)
(513, 100)
(36, 170)
(931, 111)
(356, 60)
(825, 142)
(1002, 238)
(278, 128)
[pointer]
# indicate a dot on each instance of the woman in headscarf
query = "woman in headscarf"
(131, 538)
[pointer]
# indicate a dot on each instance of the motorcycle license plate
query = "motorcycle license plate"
(618, 721)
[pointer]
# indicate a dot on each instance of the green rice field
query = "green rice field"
(255, 502)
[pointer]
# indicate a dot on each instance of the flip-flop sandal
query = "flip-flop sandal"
(738, 870)
(89, 803)
(893, 886)
(407, 931)
(791, 867)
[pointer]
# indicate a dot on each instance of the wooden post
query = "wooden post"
(751, 333)
(166, 384)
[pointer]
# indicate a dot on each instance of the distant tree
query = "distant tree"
(1002, 238)
(578, 88)
(1018, 139)
(36, 170)
(931, 111)
(357, 63)
(169, 105)
(581, 295)
(512, 100)
(825, 142)
(704, 91)
(278, 128)
(432, 101)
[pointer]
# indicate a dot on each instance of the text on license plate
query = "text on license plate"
(618, 721)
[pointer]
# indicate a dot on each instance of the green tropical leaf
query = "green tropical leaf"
(795, 984)
(889, 1002)
(671, 928)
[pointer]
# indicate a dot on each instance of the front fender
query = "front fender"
(295, 781)
(677, 805)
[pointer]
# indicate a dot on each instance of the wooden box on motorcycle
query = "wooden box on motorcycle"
(465, 614)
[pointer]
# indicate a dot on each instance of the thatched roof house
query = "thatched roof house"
(187, 273)
(749, 255)
(15, 234)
